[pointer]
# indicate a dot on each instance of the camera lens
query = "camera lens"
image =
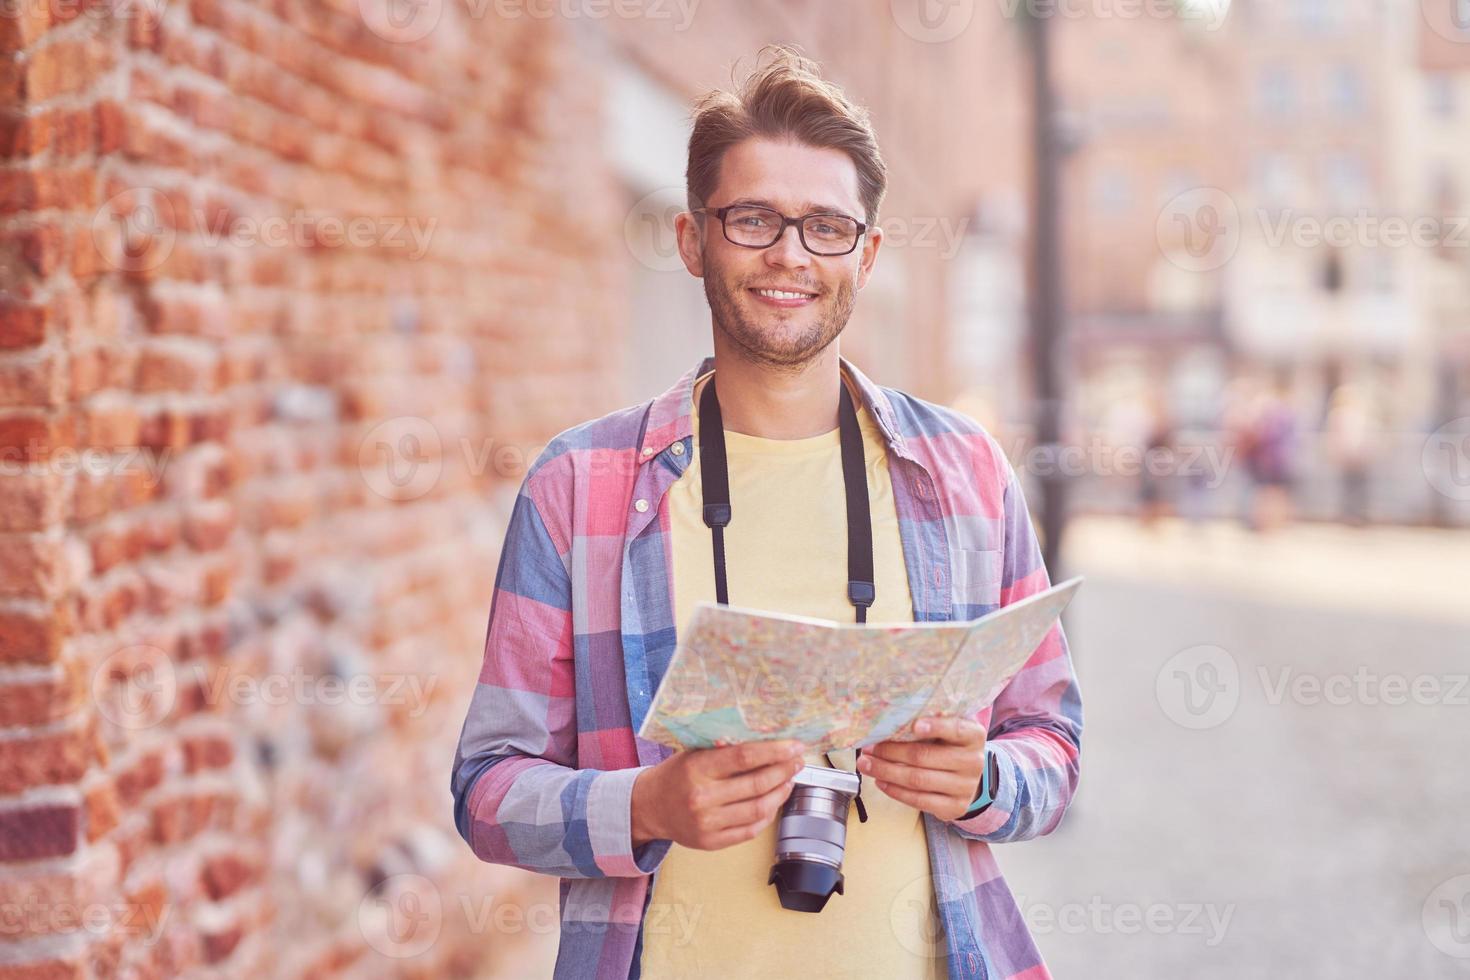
(810, 836)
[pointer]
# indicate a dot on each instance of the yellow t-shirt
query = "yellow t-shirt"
(711, 912)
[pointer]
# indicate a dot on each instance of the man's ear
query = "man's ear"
(689, 233)
(872, 242)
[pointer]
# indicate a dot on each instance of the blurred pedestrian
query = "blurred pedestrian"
(1269, 448)
(1352, 431)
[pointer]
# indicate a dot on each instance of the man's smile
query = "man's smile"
(784, 298)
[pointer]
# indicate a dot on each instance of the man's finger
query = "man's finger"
(920, 779)
(757, 810)
(728, 761)
(753, 784)
(931, 802)
(955, 731)
(930, 755)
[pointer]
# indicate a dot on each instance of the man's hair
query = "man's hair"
(785, 99)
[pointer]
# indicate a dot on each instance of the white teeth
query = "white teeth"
(782, 294)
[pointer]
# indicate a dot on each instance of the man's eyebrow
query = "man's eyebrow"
(807, 208)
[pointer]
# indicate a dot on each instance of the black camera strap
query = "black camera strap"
(715, 487)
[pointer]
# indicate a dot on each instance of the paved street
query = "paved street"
(1254, 801)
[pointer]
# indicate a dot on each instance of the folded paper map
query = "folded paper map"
(743, 675)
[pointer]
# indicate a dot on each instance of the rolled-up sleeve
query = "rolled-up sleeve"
(1035, 726)
(518, 797)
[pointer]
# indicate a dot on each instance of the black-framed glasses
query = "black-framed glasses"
(753, 226)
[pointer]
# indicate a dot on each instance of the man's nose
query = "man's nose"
(787, 251)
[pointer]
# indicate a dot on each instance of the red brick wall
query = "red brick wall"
(245, 461)
(228, 379)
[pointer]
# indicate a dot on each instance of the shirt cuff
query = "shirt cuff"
(610, 827)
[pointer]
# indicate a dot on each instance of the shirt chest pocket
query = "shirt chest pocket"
(977, 576)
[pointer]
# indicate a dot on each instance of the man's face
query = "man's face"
(796, 180)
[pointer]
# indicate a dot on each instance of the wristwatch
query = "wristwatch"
(988, 781)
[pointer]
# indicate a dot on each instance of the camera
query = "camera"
(810, 836)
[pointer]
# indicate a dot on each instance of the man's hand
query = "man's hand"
(939, 776)
(712, 798)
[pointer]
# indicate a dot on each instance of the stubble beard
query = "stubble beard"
(764, 346)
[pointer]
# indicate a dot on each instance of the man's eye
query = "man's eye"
(752, 221)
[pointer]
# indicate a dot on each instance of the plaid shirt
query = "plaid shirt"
(581, 630)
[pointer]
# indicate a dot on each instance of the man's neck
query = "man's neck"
(770, 403)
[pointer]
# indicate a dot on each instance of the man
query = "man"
(664, 856)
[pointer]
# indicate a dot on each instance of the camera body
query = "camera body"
(811, 834)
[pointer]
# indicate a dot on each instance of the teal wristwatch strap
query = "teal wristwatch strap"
(987, 787)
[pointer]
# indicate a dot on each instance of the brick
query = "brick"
(223, 874)
(44, 760)
(101, 811)
(144, 775)
(208, 642)
(31, 190)
(110, 427)
(109, 547)
(207, 752)
(34, 833)
(42, 702)
(218, 584)
(66, 66)
(21, 326)
(34, 437)
(167, 429)
(87, 371)
(31, 500)
(42, 248)
(38, 380)
(23, 23)
(219, 945)
(105, 607)
(208, 528)
(171, 369)
(59, 969)
(29, 638)
(31, 566)
(110, 120)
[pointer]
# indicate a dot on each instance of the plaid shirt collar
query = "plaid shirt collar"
(670, 414)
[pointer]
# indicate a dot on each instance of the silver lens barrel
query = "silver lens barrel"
(810, 837)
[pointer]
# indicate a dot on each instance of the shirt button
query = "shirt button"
(648, 450)
(678, 449)
(640, 505)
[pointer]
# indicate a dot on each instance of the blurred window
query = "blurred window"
(1440, 89)
(1315, 16)
(1275, 179)
(1178, 180)
(1346, 179)
(1347, 90)
(1112, 191)
(1277, 91)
